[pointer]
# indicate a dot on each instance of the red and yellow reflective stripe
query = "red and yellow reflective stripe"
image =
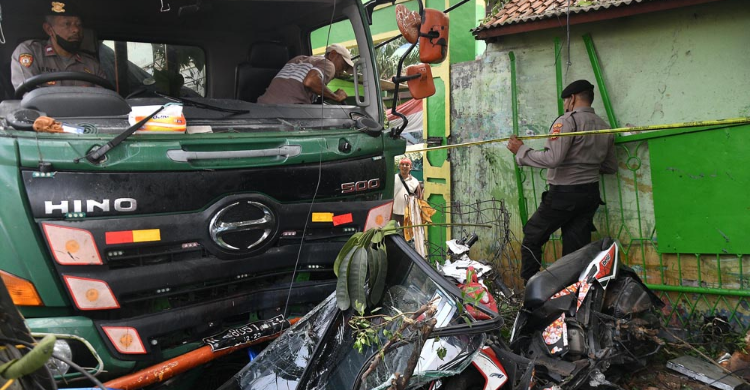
(130, 236)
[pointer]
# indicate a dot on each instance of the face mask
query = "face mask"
(69, 46)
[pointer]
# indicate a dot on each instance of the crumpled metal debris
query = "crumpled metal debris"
(704, 372)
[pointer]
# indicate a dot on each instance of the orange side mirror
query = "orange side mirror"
(433, 37)
(422, 86)
(408, 23)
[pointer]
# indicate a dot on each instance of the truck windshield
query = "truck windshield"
(175, 70)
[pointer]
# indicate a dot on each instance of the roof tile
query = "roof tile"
(520, 11)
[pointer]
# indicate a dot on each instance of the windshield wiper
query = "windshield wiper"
(95, 156)
(192, 103)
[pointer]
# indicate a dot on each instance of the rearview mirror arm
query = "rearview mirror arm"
(370, 7)
(397, 79)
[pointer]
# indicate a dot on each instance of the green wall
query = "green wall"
(672, 66)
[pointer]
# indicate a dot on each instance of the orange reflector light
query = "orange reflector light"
(379, 216)
(21, 291)
(71, 246)
(342, 219)
(91, 294)
(125, 339)
(130, 236)
(322, 217)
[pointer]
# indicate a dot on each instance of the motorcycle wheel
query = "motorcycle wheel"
(470, 379)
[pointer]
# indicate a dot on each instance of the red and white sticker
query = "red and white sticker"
(26, 59)
(556, 129)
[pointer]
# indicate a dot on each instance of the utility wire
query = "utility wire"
(675, 126)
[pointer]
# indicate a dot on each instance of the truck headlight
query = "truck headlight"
(58, 367)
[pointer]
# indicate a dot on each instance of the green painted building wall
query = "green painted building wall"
(462, 47)
(680, 65)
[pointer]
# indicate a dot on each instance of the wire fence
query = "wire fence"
(495, 238)
(696, 288)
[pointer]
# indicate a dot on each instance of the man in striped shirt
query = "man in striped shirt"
(305, 77)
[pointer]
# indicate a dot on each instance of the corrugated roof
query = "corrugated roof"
(522, 11)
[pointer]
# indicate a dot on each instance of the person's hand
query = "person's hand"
(514, 144)
(340, 95)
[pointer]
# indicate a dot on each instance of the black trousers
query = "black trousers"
(571, 208)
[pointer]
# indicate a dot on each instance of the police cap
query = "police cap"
(577, 86)
(60, 8)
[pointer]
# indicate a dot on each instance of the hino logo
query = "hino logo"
(123, 205)
(223, 225)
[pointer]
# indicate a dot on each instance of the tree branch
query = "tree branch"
(428, 308)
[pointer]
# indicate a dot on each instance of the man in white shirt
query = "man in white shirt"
(405, 185)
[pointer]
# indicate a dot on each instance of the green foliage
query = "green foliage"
(360, 266)
(175, 66)
(368, 330)
(441, 351)
(494, 7)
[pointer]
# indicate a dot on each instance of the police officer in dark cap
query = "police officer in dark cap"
(60, 53)
(573, 165)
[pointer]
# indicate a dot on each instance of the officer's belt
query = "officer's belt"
(588, 187)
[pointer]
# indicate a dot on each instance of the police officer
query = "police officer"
(59, 53)
(573, 166)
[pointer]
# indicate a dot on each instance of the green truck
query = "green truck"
(132, 248)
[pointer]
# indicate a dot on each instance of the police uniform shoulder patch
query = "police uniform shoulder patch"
(556, 129)
(58, 7)
(26, 59)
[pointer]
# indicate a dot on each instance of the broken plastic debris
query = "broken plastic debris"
(704, 372)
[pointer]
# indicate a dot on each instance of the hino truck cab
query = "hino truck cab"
(158, 202)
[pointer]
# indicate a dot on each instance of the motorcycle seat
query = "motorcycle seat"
(562, 273)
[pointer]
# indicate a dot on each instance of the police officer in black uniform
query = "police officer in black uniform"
(573, 165)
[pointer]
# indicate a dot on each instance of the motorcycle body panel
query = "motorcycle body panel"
(492, 370)
(584, 325)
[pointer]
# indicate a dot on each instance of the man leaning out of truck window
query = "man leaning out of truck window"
(304, 78)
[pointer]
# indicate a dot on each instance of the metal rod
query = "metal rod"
(160, 372)
(600, 80)
(673, 126)
(522, 211)
(558, 76)
(699, 290)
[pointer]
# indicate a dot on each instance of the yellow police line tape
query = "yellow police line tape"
(673, 126)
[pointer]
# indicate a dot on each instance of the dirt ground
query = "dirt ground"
(661, 378)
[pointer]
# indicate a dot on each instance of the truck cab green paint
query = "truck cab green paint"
(301, 165)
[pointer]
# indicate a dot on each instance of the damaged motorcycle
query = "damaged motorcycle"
(584, 315)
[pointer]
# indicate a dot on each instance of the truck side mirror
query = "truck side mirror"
(408, 22)
(420, 81)
(433, 37)
(431, 29)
